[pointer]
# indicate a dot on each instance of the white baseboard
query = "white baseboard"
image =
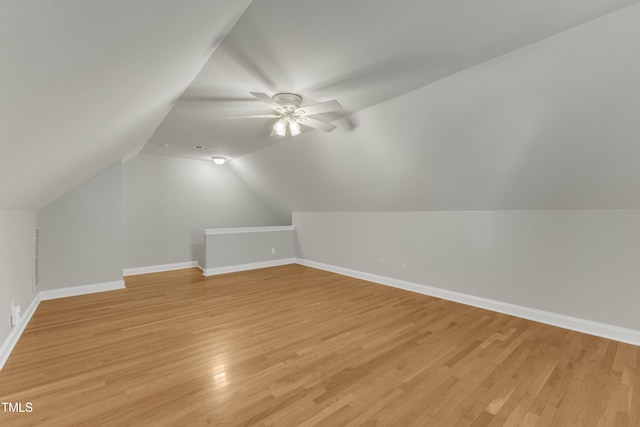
(81, 290)
(244, 267)
(603, 330)
(7, 346)
(159, 268)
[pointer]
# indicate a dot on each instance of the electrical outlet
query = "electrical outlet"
(15, 314)
(273, 250)
(403, 266)
(381, 263)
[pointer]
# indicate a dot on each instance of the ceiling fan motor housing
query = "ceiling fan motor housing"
(289, 101)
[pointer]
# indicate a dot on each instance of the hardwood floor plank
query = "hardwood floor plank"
(292, 345)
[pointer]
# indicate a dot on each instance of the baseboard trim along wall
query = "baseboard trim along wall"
(16, 332)
(603, 330)
(7, 346)
(81, 290)
(244, 267)
(240, 230)
(159, 268)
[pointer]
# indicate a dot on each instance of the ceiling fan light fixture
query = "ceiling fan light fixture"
(294, 127)
(219, 160)
(280, 128)
(290, 114)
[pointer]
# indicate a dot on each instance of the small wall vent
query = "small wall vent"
(202, 147)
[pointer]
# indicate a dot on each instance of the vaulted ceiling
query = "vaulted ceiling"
(85, 83)
(359, 52)
(553, 125)
(447, 105)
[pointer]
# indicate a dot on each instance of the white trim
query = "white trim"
(16, 332)
(81, 290)
(7, 346)
(211, 231)
(159, 268)
(604, 330)
(244, 267)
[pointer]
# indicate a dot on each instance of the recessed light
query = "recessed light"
(219, 160)
(164, 145)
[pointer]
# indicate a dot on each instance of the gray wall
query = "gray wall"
(169, 201)
(81, 233)
(583, 264)
(16, 264)
(223, 250)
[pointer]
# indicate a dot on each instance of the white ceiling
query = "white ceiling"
(361, 52)
(550, 126)
(86, 83)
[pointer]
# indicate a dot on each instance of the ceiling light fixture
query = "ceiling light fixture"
(287, 121)
(280, 128)
(294, 127)
(218, 160)
(290, 113)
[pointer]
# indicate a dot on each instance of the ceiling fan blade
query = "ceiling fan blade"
(317, 124)
(255, 116)
(323, 107)
(267, 100)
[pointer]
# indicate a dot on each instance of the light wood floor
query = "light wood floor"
(295, 346)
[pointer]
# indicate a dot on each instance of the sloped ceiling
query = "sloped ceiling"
(360, 52)
(87, 83)
(84, 83)
(551, 126)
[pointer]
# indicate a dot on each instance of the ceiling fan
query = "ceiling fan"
(291, 114)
